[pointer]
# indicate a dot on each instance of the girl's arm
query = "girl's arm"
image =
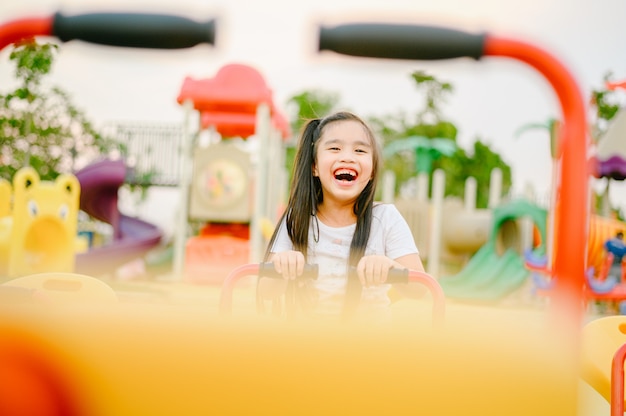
(410, 261)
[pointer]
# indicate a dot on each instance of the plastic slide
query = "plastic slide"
(132, 237)
(490, 275)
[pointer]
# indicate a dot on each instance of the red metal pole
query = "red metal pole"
(617, 382)
(571, 210)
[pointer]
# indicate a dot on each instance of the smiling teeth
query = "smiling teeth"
(345, 174)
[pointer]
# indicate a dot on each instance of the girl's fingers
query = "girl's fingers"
(373, 270)
(289, 264)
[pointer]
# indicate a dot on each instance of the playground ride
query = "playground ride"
(535, 370)
(38, 228)
(395, 276)
(230, 190)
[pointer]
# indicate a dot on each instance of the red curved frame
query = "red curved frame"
(571, 212)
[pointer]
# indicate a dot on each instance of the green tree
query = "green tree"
(39, 125)
(604, 107)
(424, 141)
(430, 123)
(311, 104)
(479, 164)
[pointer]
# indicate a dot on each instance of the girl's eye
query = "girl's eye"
(361, 151)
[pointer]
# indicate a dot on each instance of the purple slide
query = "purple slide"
(132, 237)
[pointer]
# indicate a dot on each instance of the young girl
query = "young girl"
(331, 220)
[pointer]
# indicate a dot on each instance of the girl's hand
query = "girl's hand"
(373, 270)
(288, 263)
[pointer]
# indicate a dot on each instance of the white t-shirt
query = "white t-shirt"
(390, 236)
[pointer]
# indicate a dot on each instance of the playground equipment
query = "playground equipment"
(465, 229)
(230, 186)
(603, 354)
(596, 284)
(38, 232)
(63, 288)
(485, 244)
(395, 276)
(497, 269)
(610, 158)
(132, 237)
(537, 381)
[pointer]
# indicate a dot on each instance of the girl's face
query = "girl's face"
(344, 160)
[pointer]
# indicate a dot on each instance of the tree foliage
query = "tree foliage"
(311, 104)
(604, 107)
(428, 123)
(431, 123)
(39, 125)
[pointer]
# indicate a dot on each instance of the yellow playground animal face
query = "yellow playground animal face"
(44, 221)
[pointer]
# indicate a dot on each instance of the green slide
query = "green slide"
(490, 275)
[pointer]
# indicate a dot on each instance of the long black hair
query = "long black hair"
(306, 195)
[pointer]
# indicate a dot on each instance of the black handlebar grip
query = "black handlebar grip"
(395, 41)
(135, 30)
(398, 276)
(394, 275)
(268, 270)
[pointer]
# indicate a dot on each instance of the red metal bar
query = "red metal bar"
(617, 382)
(226, 296)
(22, 29)
(571, 211)
(439, 298)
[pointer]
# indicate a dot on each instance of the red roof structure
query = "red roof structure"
(228, 102)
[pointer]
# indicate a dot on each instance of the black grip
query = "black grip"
(268, 270)
(394, 275)
(135, 30)
(396, 41)
(398, 276)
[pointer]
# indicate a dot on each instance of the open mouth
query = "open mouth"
(345, 175)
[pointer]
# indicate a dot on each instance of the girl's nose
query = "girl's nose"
(347, 156)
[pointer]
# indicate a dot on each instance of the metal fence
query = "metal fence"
(153, 150)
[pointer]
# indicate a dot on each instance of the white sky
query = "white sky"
(492, 99)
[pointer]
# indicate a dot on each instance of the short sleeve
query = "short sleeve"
(397, 235)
